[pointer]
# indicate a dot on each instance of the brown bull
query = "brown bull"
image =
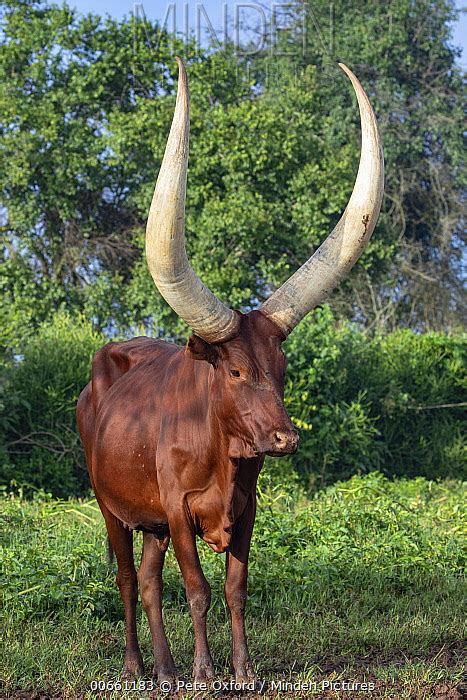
(175, 438)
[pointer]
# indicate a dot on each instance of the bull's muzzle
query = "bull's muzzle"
(284, 442)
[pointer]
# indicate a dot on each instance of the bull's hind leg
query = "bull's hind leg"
(121, 540)
(150, 583)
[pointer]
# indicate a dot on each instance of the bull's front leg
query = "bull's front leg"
(236, 591)
(198, 592)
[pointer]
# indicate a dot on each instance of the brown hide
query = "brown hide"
(164, 428)
(174, 440)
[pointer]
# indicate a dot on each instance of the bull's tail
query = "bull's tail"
(110, 551)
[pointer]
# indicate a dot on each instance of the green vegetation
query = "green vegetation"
(40, 445)
(393, 403)
(364, 579)
(85, 107)
(402, 52)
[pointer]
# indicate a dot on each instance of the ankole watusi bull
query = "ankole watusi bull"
(175, 437)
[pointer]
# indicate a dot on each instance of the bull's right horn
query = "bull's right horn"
(165, 236)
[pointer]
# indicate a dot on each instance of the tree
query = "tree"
(402, 53)
(70, 224)
(85, 108)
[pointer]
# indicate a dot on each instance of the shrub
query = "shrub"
(38, 396)
(421, 410)
(389, 403)
(393, 403)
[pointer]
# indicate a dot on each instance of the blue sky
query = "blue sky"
(156, 9)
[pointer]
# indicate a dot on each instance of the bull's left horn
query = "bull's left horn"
(311, 284)
(165, 236)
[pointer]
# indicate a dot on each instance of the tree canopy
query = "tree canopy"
(85, 108)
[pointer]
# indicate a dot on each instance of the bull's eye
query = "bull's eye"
(234, 373)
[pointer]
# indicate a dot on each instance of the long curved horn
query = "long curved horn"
(165, 236)
(310, 285)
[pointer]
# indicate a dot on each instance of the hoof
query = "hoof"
(166, 676)
(133, 666)
(203, 669)
(244, 673)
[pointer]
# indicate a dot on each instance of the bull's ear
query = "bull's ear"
(199, 349)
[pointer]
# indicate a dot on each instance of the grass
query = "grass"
(362, 582)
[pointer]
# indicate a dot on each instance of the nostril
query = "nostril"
(285, 439)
